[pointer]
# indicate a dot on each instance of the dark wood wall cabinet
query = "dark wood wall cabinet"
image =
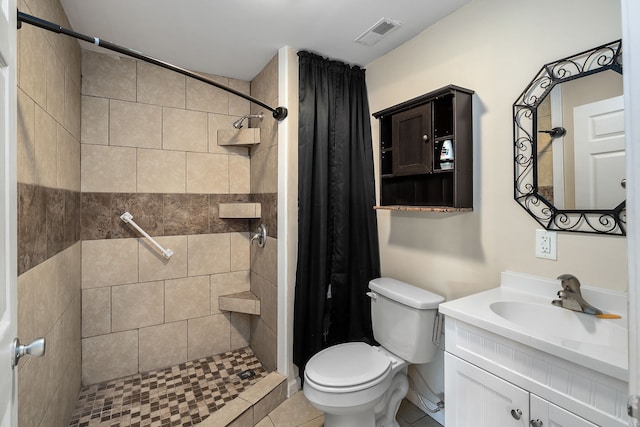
(426, 152)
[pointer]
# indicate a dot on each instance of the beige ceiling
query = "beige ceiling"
(236, 38)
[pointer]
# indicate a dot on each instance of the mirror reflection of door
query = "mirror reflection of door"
(556, 158)
(599, 153)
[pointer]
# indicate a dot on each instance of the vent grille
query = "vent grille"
(377, 31)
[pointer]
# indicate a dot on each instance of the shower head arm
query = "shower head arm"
(279, 113)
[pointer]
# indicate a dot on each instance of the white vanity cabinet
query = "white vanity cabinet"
(477, 398)
(491, 381)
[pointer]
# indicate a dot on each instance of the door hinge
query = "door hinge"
(633, 404)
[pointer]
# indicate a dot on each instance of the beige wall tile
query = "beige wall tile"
(96, 312)
(239, 106)
(107, 169)
(240, 330)
(184, 130)
(264, 261)
(68, 169)
(109, 356)
(95, 120)
(187, 298)
(72, 106)
(161, 171)
(209, 253)
(99, 257)
(55, 87)
(219, 122)
(163, 345)
(228, 283)
(45, 296)
(209, 335)
(135, 125)
(268, 295)
(207, 173)
(136, 306)
(239, 175)
(264, 171)
(240, 251)
(264, 344)
(154, 267)
(160, 86)
(26, 327)
(205, 97)
(69, 276)
(33, 60)
(26, 123)
(108, 76)
(46, 149)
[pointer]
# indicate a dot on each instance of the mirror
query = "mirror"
(569, 144)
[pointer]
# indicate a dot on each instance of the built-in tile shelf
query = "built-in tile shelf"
(239, 137)
(243, 302)
(240, 210)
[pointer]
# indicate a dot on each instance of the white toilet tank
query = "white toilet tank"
(403, 317)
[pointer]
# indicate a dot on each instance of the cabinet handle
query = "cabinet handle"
(536, 423)
(516, 413)
(425, 138)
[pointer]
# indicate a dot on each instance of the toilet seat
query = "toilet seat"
(346, 368)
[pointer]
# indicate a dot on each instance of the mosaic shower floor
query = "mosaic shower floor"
(181, 395)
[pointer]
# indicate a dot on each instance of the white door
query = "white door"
(599, 148)
(8, 202)
(477, 398)
(546, 414)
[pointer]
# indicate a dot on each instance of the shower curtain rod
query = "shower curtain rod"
(279, 113)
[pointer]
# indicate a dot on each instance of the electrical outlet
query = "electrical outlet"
(546, 244)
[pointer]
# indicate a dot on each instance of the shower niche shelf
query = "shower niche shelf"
(240, 210)
(238, 137)
(242, 302)
(426, 152)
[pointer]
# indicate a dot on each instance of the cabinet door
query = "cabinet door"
(476, 398)
(412, 141)
(546, 414)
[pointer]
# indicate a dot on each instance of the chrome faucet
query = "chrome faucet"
(571, 297)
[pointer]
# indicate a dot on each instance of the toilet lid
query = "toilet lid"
(347, 365)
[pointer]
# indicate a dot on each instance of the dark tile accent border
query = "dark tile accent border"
(166, 214)
(48, 223)
(269, 202)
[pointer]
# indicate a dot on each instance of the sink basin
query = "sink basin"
(573, 329)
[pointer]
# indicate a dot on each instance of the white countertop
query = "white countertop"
(598, 344)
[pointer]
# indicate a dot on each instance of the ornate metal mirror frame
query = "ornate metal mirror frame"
(525, 119)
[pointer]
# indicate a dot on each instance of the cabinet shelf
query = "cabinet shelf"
(426, 151)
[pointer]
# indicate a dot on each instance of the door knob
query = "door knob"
(425, 138)
(516, 413)
(35, 348)
(536, 423)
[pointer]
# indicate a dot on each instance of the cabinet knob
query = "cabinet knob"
(425, 138)
(516, 413)
(536, 423)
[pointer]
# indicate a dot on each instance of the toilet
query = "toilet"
(357, 384)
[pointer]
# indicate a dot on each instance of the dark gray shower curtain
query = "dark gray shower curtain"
(337, 228)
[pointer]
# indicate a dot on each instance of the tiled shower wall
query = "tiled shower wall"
(264, 188)
(149, 146)
(49, 250)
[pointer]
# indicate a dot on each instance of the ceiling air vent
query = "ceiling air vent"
(377, 31)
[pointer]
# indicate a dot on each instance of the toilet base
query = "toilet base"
(387, 408)
(361, 419)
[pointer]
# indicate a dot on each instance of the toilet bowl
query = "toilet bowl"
(356, 384)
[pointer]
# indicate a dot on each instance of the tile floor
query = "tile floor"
(298, 412)
(182, 395)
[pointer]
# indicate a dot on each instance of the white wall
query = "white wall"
(494, 47)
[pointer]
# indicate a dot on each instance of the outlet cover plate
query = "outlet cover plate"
(546, 244)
